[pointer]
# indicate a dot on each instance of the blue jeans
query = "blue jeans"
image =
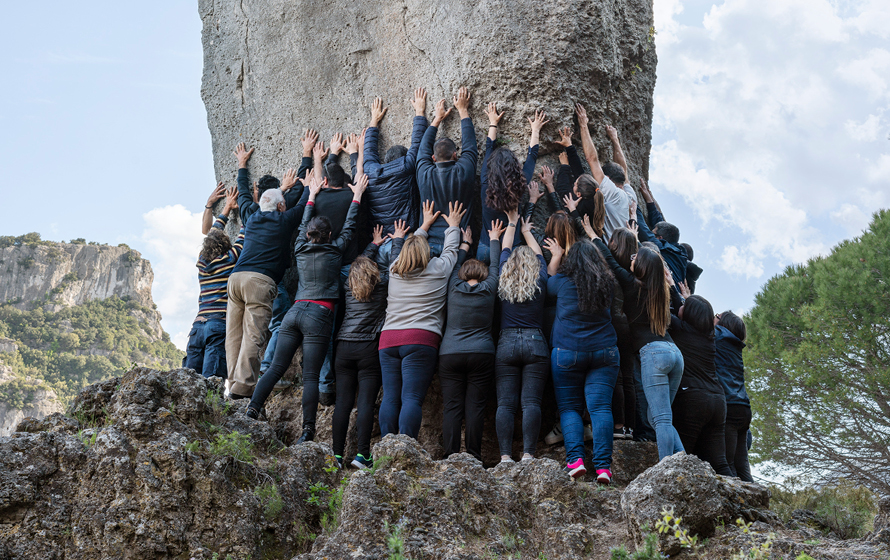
(327, 379)
(206, 350)
(643, 429)
(280, 306)
(407, 373)
(590, 376)
(662, 370)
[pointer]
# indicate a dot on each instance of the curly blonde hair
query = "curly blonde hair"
(518, 282)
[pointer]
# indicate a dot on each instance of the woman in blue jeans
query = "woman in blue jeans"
(647, 304)
(311, 319)
(584, 359)
(415, 317)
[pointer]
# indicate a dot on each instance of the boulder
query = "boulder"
(881, 532)
(690, 487)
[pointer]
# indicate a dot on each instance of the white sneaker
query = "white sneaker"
(555, 436)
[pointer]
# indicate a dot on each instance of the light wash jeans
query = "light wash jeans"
(662, 370)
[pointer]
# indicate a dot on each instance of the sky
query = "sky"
(771, 135)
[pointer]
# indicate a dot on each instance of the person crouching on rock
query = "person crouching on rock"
(206, 351)
(522, 360)
(311, 319)
(357, 363)
(585, 358)
(415, 315)
(466, 356)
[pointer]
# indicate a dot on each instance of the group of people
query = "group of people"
(568, 282)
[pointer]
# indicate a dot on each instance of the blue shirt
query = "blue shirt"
(572, 329)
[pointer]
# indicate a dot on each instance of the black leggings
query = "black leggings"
(699, 417)
(522, 366)
(308, 324)
(738, 420)
(466, 380)
(358, 375)
(624, 399)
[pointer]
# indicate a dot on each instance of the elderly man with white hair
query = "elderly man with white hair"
(253, 284)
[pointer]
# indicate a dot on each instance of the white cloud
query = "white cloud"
(173, 239)
(769, 123)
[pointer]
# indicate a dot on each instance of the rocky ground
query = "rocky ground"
(157, 465)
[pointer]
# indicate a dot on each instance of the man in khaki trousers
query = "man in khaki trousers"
(268, 229)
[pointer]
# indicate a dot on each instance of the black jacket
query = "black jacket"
(364, 319)
(392, 187)
(319, 264)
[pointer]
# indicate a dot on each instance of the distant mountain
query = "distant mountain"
(72, 314)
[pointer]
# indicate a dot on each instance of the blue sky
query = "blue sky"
(771, 139)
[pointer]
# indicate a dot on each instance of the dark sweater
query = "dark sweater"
(470, 311)
(267, 240)
(528, 314)
(731, 367)
(334, 204)
(573, 329)
(699, 369)
(448, 181)
(634, 302)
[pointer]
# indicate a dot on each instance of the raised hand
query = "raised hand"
(555, 248)
(526, 227)
(360, 140)
(571, 202)
(462, 102)
(497, 229)
(314, 186)
(547, 178)
(378, 111)
(538, 122)
(216, 195)
(419, 102)
(633, 227)
(633, 208)
(565, 136)
(231, 201)
(319, 152)
(429, 216)
(310, 137)
(337, 144)
(683, 287)
(494, 118)
(289, 180)
(467, 235)
(456, 212)
(513, 216)
(378, 235)
(243, 154)
(359, 187)
(352, 143)
(439, 114)
(588, 227)
(534, 192)
(582, 115)
(612, 133)
(401, 228)
(644, 190)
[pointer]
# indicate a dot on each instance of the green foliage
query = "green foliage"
(87, 440)
(235, 445)
(270, 498)
(394, 541)
(804, 556)
(59, 350)
(79, 241)
(818, 362)
(29, 239)
(26, 262)
(330, 500)
(19, 392)
(845, 508)
(649, 551)
(193, 447)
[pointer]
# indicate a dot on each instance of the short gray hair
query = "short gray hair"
(270, 200)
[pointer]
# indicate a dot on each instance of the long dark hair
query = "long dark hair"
(559, 227)
(216, 244)
(319, 230)
(623, 244)
(505, 181)
(649, 271)
(697, 311)
(592, 277)
(734, 324)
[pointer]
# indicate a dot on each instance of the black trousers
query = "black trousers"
(700, 417)
(522, 366)
(624, 399)
(738, 420)
(466, 380)
(308, 324)
(358, 381)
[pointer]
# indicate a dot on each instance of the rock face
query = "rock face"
(73, 274)
(273, 68)
(42, 402)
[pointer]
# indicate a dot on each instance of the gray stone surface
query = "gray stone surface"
(273, 68)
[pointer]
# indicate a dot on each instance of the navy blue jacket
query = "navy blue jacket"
(267, 240)
(392, 187)
(731, 367)
(573, 329)
(489, 214)
(674, 255)
(448, 181)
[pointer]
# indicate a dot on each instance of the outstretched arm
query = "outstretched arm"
(245, 194)
(419, 125)
(590, 153)
(346, 233)
(469, 151)
(617, 152)
(493, 119)
(207, 219)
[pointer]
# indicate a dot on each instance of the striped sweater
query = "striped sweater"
(213, 277)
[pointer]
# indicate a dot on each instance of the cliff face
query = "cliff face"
(273, 68)
(41, 401)
(73, 274)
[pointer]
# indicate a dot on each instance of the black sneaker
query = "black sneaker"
(327, 399)
(362, 462)
(308, 434)
(252, 413)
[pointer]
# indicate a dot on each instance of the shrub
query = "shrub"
(270, 499)
(843, 508)
(235, 445)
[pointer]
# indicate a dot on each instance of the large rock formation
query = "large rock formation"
(40, 400)
(273, 68)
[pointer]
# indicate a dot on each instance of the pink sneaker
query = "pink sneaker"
(604, 476)
(576, 469)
